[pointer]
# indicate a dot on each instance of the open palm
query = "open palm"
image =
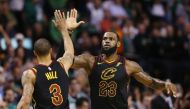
(71, 20)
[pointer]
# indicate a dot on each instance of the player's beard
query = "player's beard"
(109, 52)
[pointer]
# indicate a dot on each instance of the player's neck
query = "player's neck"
(45, 60)
(111, 58)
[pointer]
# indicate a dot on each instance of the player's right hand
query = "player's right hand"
(60, 21)
(71, 20)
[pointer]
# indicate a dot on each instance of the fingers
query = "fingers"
(81, 22)
(59, 16)
(54, 22)
(75, 13)
(63, 15)
(72, 12)
(55, 15)
(68, 14)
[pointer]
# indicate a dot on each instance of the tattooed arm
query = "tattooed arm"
(28, 80)
(137, 72)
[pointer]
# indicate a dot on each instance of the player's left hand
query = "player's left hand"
(71, 19)
(171, 88)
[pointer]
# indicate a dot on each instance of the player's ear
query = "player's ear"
(34, 53)
(50, 51)
(118, 44)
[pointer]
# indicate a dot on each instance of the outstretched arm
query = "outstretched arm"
(72, 24)
(60, 22)
(137, 72)
(85, 61)
(28, 80)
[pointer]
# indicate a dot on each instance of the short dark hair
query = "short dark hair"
(118, 38)
(80, 101)
(42, 47)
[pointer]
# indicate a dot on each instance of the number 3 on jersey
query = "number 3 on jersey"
(57, 98)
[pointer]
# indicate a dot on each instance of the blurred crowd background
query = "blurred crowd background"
(154, 33)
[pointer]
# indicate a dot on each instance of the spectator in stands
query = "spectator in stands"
(9, 98)
(3, 105)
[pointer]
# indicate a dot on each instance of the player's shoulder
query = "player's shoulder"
(131, 63)
(132, 66)
(28, 75)
(31, 71)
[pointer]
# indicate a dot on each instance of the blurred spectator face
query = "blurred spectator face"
(10, 51)
(2, 79)
(157, 1)
(137, 94)
(181, 20)
(4, 6)
(141, 28)
(147, 100)
(17, 73)
(95, 40)
(85, 40)
(130, 101)
(17, 62)
(9, 95)
(6, 65)
(107, 14)
(20, 53)
(170, 30)
(118, 2)
(114, 24)
(19, 37)
(81, 77)
(156, 32)
(128, 23)
(3, 105)
(75, 86)
(38, 28)
(29, 32)
(97, 3)
(187, 28)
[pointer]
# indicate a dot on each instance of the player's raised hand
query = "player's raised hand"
(71, 20)
(60, 21)
(171, 88)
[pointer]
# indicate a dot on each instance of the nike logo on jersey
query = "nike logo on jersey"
(99, 63)
(119, 63)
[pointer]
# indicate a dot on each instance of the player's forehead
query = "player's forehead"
(110, 34)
